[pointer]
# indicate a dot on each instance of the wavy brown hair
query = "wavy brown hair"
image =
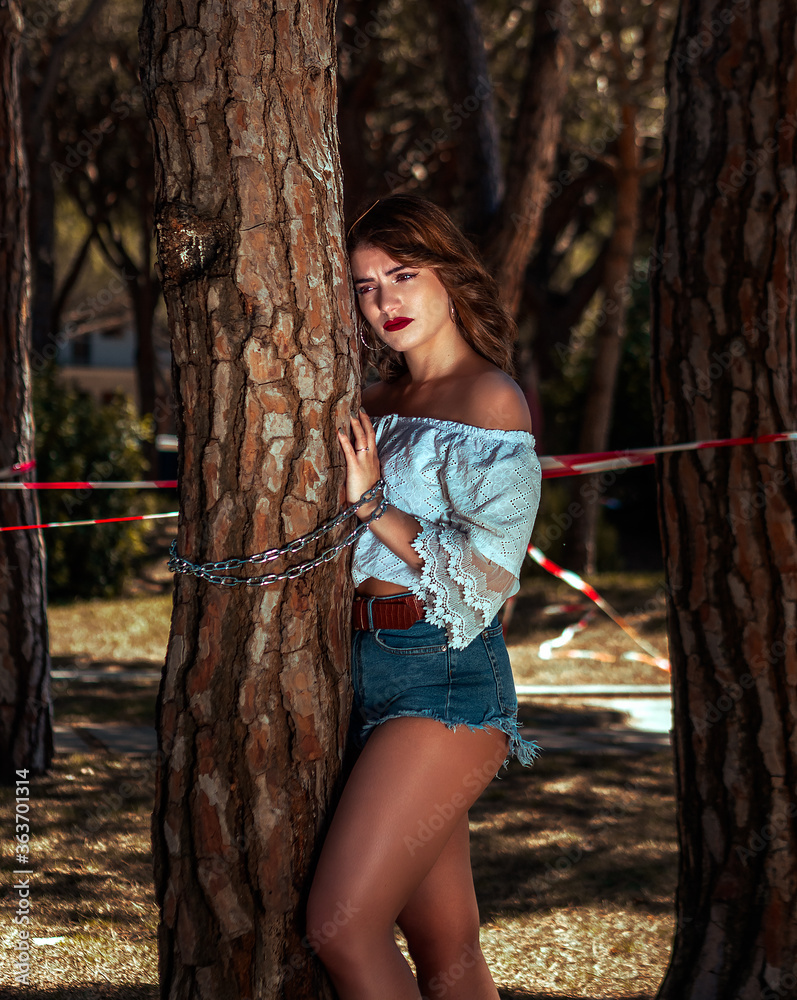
(417, 233)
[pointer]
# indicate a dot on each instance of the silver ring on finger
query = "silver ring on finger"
(362, 449)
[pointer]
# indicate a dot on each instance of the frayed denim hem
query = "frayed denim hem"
(526, 751)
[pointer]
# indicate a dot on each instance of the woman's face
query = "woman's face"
(406, 307)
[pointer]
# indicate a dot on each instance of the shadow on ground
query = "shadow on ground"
(576, 830)
(130, 700)
(105, 991)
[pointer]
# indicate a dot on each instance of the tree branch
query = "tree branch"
(72, 275)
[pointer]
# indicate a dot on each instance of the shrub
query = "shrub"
(80, 439)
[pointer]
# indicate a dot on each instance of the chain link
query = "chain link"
(216, 572)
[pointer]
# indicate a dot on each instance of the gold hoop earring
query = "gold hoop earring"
(365, 343)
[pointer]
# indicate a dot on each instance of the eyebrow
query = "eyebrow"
(401, 267)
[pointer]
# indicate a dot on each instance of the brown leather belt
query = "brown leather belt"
(387, 612)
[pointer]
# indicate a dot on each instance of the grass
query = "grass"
(130, 635)
(574, 859)
(131, 630)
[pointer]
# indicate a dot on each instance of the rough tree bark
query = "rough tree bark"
(725, 364)
(26, 723)
(254, 701)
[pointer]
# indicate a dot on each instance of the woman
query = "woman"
(434, 702)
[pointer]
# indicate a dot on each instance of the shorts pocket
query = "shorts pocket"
(502, 669)
(421, 639)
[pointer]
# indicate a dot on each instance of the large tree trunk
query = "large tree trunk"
(253, 707)
(26, 725)
(725, 364)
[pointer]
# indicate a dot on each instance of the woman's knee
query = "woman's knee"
(451, 939)
(451, 971)
(335, 928)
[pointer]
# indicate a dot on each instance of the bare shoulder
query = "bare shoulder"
(496, 401)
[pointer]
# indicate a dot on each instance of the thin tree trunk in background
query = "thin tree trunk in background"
(725, 364)
(145, 292)
(26, 724)
(38, 134)
(533, 151)
(146, 362)
(141, 288)
(609, 336)
(478, 153)
(143, 304)
(253, 707)
(357, 79)
(42, 221)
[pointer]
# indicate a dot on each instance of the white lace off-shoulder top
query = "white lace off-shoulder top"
(475, 492)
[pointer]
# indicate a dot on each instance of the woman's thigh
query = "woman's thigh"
(442, 912)
(411, 785)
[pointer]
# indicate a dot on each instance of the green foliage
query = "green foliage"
(78, 440)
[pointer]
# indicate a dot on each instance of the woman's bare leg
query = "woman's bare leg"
(412, 784)
(441, 924)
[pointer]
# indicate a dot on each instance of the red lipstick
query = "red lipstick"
(397, 324)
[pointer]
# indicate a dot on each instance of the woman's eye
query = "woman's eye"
(400, 277)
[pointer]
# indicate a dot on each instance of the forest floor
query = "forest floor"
(574, 859)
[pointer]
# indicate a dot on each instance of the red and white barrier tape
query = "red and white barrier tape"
(546, 648)
(99, 520)
(564, 609)
(16, 470)
(554, 466)
(143, 484)
(575, 581)
(600, 657)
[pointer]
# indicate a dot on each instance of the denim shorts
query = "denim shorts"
(416, 672)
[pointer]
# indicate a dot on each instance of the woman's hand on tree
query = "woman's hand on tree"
(362, 461)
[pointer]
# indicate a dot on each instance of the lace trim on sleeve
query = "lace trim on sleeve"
(460, 588)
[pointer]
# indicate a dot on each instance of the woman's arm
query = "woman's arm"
(395, 528)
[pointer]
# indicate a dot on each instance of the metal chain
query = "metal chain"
(214, 572)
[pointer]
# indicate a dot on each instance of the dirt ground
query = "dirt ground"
(574, 859)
